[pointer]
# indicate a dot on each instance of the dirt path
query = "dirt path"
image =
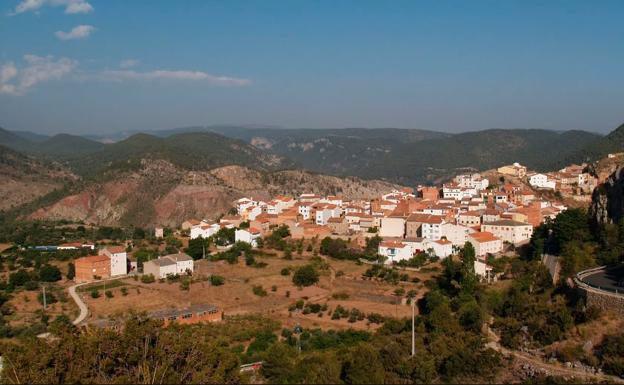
(550, 368)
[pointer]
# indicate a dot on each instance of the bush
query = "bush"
(375, 318)
(340, 295)
(108, 294)
(49, 273)
(124, 291)
(148, 278)
(285, 271)
(19, 278)
(216, 280)
(259, 291)
(95, 293)
(305, 276)
(31, 285)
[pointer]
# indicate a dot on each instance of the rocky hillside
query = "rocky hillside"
(161, 193)
(25, 179)
(608, 199)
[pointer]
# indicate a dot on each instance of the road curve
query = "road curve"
(84, 310)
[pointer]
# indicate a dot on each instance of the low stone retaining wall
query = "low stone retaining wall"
(602, 299)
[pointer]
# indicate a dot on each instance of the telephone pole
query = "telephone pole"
(413, 335)
(44, 298)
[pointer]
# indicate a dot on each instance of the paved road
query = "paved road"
(84, 310)
(608, 279)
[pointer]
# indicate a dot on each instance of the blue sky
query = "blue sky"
(98, 66)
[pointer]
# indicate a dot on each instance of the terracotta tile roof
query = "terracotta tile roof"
(116, 249)
(394, 244)
(484, 236)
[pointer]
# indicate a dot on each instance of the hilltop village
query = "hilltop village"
(494, 211)
(494, 214)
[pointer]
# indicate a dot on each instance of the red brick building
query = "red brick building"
(92, 268)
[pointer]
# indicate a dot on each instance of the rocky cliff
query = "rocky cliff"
(608, 199)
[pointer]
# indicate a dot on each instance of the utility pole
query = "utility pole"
(413, 335)
(44, 298)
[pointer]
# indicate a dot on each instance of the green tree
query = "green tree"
(197, 247)
(71, 271)
(305, 276)
(362, 365)
(279, 364)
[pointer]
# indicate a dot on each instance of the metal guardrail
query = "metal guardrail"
(578, 279)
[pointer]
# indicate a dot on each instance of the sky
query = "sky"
(103, 66)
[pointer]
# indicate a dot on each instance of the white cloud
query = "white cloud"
(199, 76)
(78, 7)
(71, 6)
(37, 69)
(128, 63)
(78, 32)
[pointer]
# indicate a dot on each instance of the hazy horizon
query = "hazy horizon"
(113, 134)
(94, 67)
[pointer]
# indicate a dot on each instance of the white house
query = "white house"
(326, 211)
(483, 270)
(394, 251)
(454, 191)
(305, 210)
(184, 263)
(456, 234)
(509, 231)
(393, 226)
(252, 212)
(469, 218)
(441, 248)
(171, 264)
(472, 181)
(541, 181)
(485, 243)
(204, 230)
(244, 203)
(250, 236)
(432, 227)
(118, 259)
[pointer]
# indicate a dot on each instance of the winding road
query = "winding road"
(84, 310)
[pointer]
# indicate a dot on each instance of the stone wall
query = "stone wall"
(604, 300)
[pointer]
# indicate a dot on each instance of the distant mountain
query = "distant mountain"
(611, 143)
(56, 147)
(26, 179)
(12, 140)
(405, 156)
(67, 146)
(417, 156)
(31, 136)
(191, 151)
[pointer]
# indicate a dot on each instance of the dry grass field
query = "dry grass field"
(236, 296)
